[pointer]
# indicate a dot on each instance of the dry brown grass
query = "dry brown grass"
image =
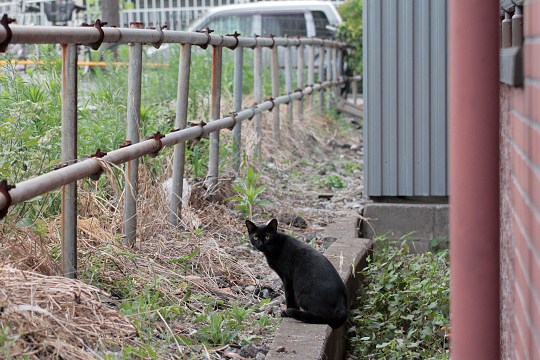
(55, 317)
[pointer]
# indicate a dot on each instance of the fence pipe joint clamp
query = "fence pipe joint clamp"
(4, 190)
(206, 31)
(5, 21)
(98, 155)
(125, 144)
(273, 41)
(97, 24)
(201, 124)
(159, 29)
(271, 99)
(255, 36)
(157, 137)
(254, 109)
(235, 35)
(233, 116)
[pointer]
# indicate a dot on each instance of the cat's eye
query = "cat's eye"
(267, 237)
(255, 237)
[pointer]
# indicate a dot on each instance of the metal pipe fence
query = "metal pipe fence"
(73, 168)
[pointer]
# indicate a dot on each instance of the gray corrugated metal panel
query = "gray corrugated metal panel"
(439, 148)
(421, 99)
(374, 94)
(405, 101)
(389, 100)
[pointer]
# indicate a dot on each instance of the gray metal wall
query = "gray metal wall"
(405, 97)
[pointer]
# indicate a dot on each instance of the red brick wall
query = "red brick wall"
(520, 201)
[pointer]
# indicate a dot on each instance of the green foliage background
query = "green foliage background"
(351, 31)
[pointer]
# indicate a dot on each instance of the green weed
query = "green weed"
(248, 193)
(334, 182)
(403, 308)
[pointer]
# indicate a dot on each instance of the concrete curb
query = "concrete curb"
(297, 340)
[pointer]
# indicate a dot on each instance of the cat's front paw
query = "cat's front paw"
(284, 314)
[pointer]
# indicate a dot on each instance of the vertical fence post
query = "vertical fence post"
(354, 84)
(275, 93)
(133, 124)
(288, 83)
(321, 78)
(69, 154)
(311, 75)
(339, 71)
(237, 90)
(328, 62)
(257, 84)
(333, 67)
(300, 78)
(179, 158)
(213, 165)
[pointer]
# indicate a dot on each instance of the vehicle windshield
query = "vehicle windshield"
(230, 23)
(284, 24)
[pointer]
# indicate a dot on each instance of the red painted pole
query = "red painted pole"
(474, 179)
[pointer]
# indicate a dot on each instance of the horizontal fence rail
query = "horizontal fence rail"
(72, 168)
(96, 35)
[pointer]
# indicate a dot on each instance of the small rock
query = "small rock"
(249, 351)
(260, 356)
(280, 349)
(250, 289)
(294, 220)
(266, 293)
(252, 351)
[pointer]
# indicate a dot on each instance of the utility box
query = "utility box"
(405, 98)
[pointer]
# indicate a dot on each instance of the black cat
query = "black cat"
(314, 291)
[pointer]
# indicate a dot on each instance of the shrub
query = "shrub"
(403, 310)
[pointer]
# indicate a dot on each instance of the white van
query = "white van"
(278, 18)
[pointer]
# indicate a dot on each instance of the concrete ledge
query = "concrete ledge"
(297, 340)
(421, 224)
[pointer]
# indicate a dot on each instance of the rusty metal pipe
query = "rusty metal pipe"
(179, 158)
(328, 63)
(474, 179)
(275, 93)
(321, 77)
(311, 74)
(288, 82)
(258, 88)
(237, 94)
(215, 107)
(132, 135)
(69, 154)
(300, 78)
(69, 35)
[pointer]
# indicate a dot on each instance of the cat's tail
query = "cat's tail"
(312, 318)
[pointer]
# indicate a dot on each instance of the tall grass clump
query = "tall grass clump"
(403, 310)
(30, 107)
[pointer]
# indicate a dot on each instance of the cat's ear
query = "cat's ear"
(250, 226)
(272, 225)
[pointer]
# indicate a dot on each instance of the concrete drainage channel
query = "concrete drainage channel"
(297, 340)
(423, 225)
